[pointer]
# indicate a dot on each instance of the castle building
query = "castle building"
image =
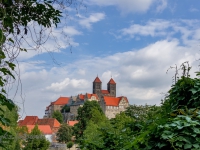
(110, 104)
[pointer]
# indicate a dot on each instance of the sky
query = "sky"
(133, 41)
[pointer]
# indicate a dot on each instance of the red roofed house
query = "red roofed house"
(57, 105)
(48, 126)
(115, 105)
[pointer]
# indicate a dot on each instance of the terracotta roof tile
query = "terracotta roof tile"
(45, 129)
(111, 81)
(105, 92)
(52, 122)
(61, 101)
(97, 79)
(72, 123)
(29, 120)
(19, 122)
(81, 96)
(90, 95)
(113, 101)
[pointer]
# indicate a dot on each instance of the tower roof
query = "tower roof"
(97, 79)
(111, 81)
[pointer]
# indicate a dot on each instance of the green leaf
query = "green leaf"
(11, 40)
(187, 146)
(196, 145)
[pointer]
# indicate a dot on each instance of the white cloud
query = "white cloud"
(127, 6)
(61, 86)
(162, 5)
(151, 28)
(51, 40)
(165, 29)
(71, 31)
(93, 18)
(192, 9)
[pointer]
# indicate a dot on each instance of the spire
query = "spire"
(97, 79)
(111, 81)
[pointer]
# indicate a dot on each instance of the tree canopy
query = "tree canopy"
(36, 140)
(16, 17)
(64, 133)
(57, 115)
(91, 110)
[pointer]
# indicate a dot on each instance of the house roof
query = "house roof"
(45, 129)
(19, 122)
(61, 101)
(72, 123)
(29, 120)
(81, 96)
(111, 81)
(47, 108)
(113, 101)
(33, 120)
(52, 122)
(90, 95)
(105, 92)
(97, 79)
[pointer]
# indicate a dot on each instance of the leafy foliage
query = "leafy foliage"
(64, 133)
(65, 109)
(15, 16)
(70, 144)
(57, 115)
(36, 140)
(85, 113)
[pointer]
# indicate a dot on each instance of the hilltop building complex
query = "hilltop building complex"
(110, 104)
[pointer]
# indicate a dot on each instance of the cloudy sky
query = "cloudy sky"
(134, 41)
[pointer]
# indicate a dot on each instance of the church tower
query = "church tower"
(111, 87)
(97, 87)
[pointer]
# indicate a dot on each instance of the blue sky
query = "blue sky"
(133, 41)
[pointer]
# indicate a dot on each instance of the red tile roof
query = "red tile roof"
(113, 101)
(33, 120)
(45, 129)
(105, 92)
(90, 95)
(52, 122)
(111, 81)
(97, 79)
(29, 120)
(61, 101)
(81, 96)
(19, 122)
(72, 123)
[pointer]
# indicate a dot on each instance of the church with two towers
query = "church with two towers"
(107, 99)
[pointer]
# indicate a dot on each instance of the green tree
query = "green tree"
(70, 144)
(15, 16)
(85, 113)
(57, 115)
(64, 133)
(36, 140)
(65, 109)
